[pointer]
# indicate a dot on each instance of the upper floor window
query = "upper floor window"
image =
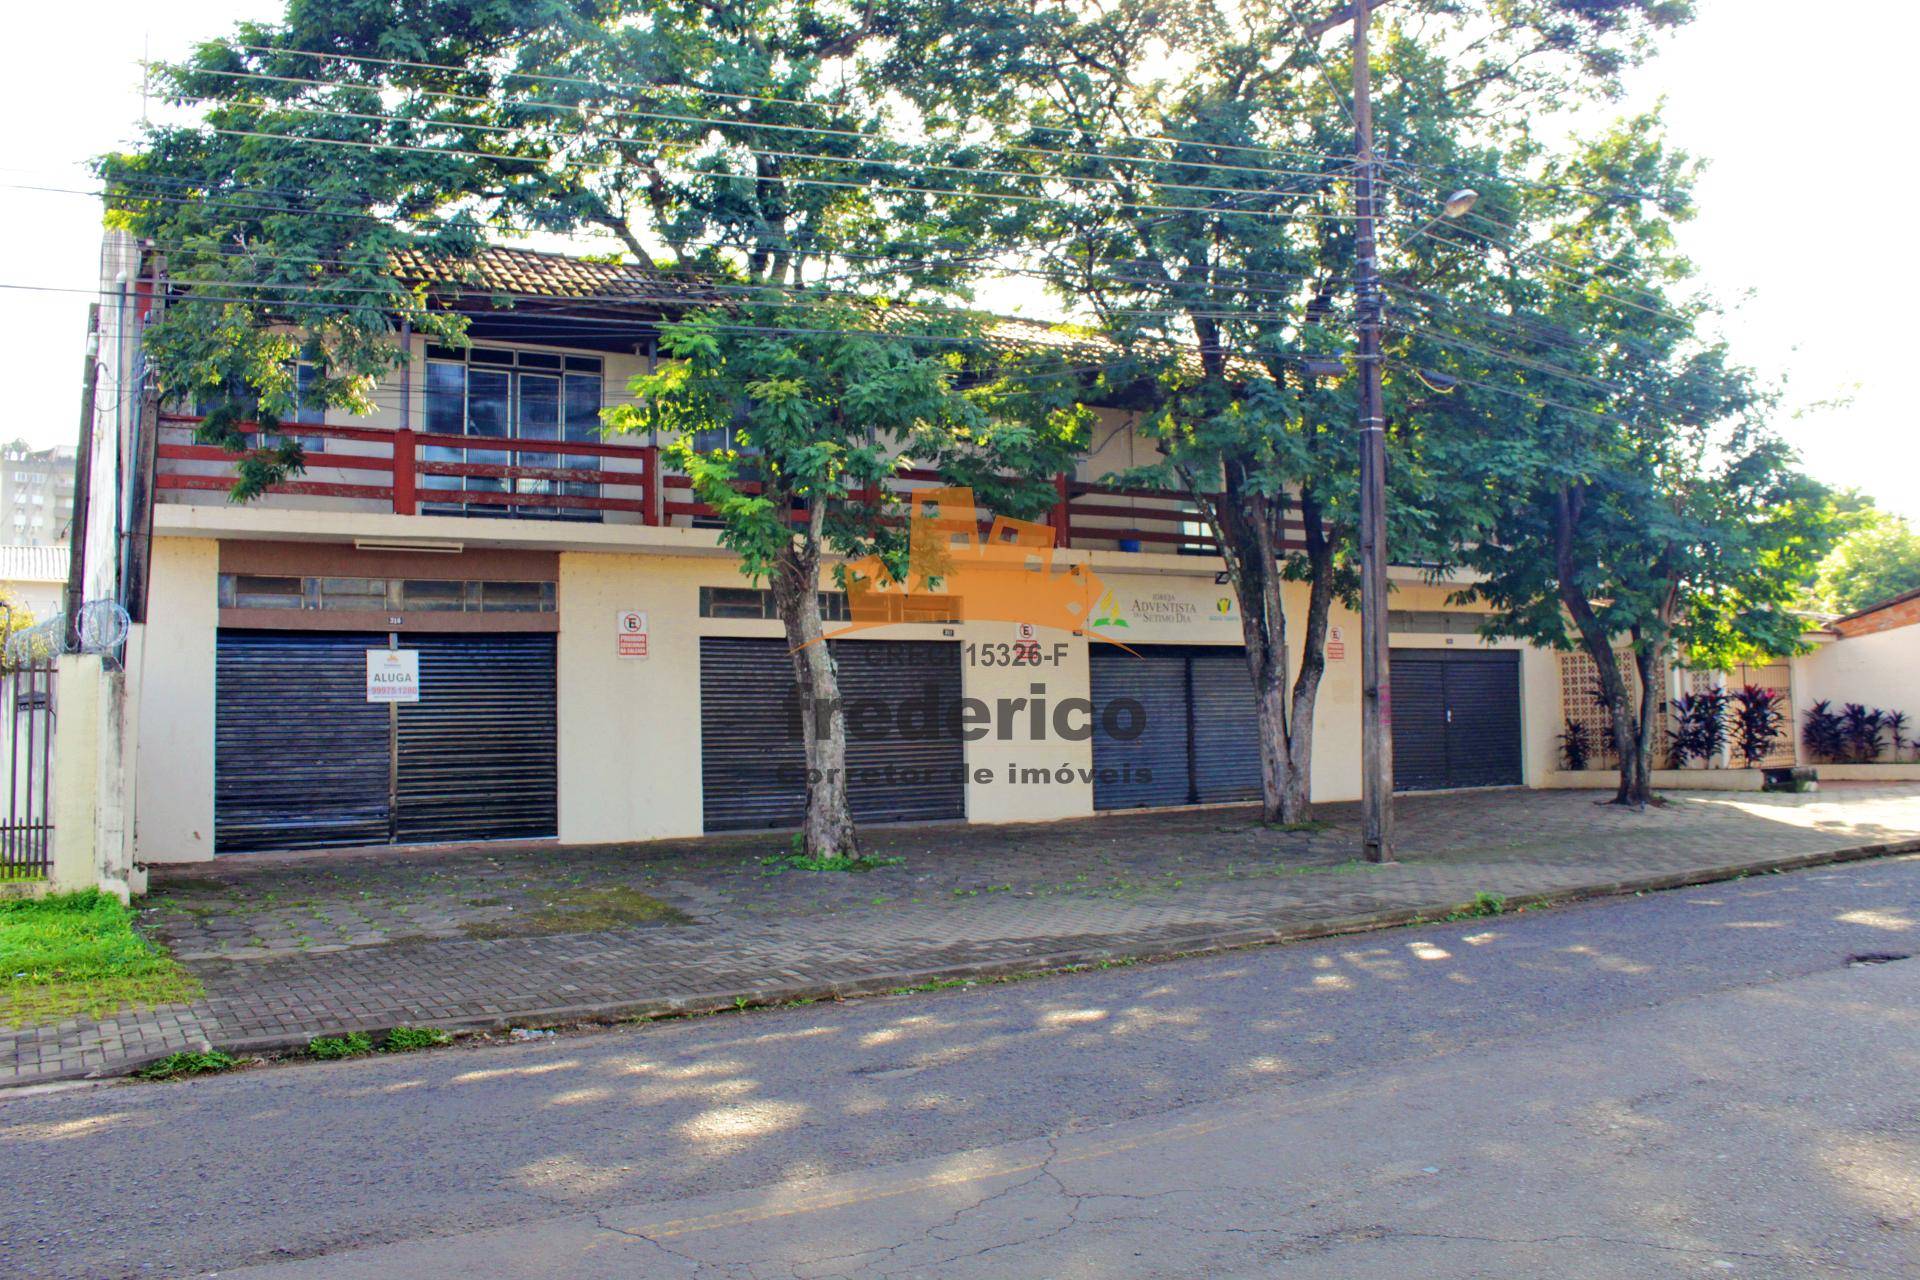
(494, 393)
(309, 409)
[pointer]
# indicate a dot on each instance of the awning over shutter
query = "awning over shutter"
(752, 758)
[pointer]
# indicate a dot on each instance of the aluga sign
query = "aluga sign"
(393, 675)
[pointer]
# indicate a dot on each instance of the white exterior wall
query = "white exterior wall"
(1880, 669)
(173, 770)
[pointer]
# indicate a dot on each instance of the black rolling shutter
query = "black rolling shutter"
(1150, 770)
(1226, 728)
(928, 760)
(751, 756)
(477, 753)
(1456, 719)
(1483, 730)
(1419, 721)
(752, 760)
(300, 756)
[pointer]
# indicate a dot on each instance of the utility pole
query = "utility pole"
(1376, 687)
(75, 594)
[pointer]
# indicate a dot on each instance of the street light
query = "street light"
(1458, 205)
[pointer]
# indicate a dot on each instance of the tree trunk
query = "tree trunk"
(1650, 662)
(828, 827)
(1248, 527)
(1313, 660)
(1636, 779)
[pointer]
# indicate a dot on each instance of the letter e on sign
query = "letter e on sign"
(630, 633)
(1336, 645)
(393, 675)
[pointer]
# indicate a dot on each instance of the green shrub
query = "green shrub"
(351, 1045)
(407, 1039)
(188, 1063)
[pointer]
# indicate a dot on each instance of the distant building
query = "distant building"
(35, 578)
(36, 495)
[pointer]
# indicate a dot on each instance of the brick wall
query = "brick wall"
(1904, 612)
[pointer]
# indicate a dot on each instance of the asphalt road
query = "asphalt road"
(1690, 1083)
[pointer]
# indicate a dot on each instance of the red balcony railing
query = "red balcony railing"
(397, 471)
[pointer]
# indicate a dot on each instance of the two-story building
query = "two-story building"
(586, 663)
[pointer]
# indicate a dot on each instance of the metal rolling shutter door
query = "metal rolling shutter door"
(752, 758)
(1483, 733)
(905, 675)
(1419, 721)
(750, 752)
(478, 752)
(300, 756)
(1226, 728)
(1150, 770)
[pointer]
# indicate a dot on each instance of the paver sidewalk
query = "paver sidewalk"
(290, 948)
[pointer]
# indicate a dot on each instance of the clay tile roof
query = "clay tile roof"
(530, 274)
(527, 273)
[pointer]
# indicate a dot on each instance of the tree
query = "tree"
(1197, 157)
(15, 618)
(1876, 561)
(1643, 501)
(791, 414)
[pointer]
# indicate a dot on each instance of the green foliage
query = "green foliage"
(1485, 904)
(776, 407)
(800, 860)
(1699, 729)
(188, 1063)
(1576, 746)
(78, 953)
(332, 1048)
(408, 1039)
(1875, 561)
(1823, 732)
(1760, 719)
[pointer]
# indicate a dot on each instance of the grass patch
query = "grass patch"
(1293, 828)
(583, 911)
(176, 1065)
(77, 953)
(779, 864)
(408, 1039)
(1483, 904)
(333, 1048)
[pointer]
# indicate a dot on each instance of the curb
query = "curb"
(1200, 943)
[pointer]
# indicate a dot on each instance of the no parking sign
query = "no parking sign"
(630, 633)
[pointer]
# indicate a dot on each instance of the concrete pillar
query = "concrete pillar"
(76, 764)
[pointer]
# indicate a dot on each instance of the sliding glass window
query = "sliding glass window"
(491, 393)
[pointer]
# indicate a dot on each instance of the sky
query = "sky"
(1803, 228)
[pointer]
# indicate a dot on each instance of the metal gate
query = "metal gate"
(303, 761)
(1456, 719)
(752, 757)
(26, 838)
